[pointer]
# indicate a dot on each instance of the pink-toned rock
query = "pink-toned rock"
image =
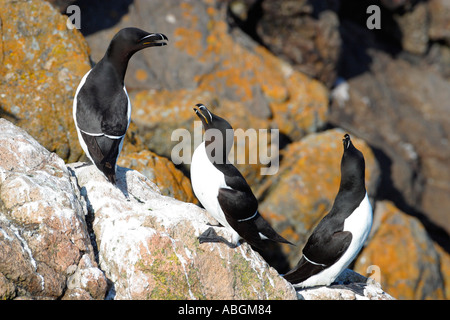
(43, 234)
(148, 246)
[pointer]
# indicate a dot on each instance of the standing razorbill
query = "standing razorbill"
(340, 235)
(221, 188)
(101, 107)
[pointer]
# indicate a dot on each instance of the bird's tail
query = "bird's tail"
(265, 229)
(110, 172)
(302, 271)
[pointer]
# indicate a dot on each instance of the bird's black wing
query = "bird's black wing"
(102, 104)
(302, 271)
(237, 198)
(115, 121)
(240, 207)
(323, 248)
(328, 242)
(239, 204)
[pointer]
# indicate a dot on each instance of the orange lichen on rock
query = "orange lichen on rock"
(407, 260)
(43, 62)
(171, 181)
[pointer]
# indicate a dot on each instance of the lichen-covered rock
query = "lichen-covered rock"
(43, 235)
(170, 181)
(303, 190)
(207, 62)
(42, 62)
(415, 162)
(409, 265)
(148, 246)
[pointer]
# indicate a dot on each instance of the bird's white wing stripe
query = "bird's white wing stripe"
(246, 219)
(317, 264)
(101, 135)
(114, 137)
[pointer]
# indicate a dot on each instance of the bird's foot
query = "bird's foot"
(210, 235)
(83, 165)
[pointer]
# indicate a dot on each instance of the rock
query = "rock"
(407, 263)
(146, 243)
(444, 258)
(303, 33)
(395, 4)
(439, 11)
(148, 246)
(413, 28)
(348, 286)
(206, 61)
(43, 233)
(303, 190)
(414, 162)
(61, 5)
(170, 181)
(42, 62)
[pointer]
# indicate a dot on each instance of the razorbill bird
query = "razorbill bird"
(101, 106)
(340, 235)
(221, 188)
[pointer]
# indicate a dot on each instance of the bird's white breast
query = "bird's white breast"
(359, 222)
(206, 181)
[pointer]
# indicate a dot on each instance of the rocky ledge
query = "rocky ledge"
(65, 232)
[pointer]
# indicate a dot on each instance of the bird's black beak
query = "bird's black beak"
(203, 114)
(347, 141)
(154, 40)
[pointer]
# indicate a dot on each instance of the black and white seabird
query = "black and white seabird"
(340, 235)
(101, 106)
(221, 188)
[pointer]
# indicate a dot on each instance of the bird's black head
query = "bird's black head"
(352, 166)
(219, 134)
(210, 120)
(128, 41)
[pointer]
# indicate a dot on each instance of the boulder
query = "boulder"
(208, 62)
(43, 234)
(148, 246)
(408, 264)
(303, 191)
(146, 243)
(382, 105)
(304, 33)
(439, 11)
(170, 181)
(57, 221)
(42, 62)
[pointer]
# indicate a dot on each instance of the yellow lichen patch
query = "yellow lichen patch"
(141, 75)
(403, 254)
(43, 62)
(171, 181)
(188, 40)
